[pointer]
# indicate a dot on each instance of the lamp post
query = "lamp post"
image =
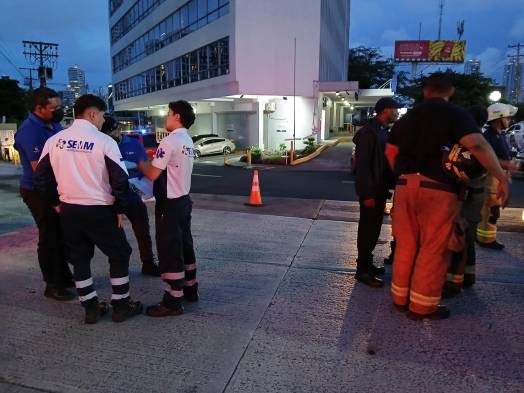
(495, 96)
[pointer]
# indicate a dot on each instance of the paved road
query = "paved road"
(280, 311)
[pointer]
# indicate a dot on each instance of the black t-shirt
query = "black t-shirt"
(498, 143)
(423, 131)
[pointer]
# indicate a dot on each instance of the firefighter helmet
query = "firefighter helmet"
(460, 164)
(499, 110)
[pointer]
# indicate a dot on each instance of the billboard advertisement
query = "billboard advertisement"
(425, 51)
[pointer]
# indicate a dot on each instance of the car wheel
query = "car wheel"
(227, 150)
(197, 153)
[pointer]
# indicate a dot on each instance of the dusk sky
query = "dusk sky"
(81, 30)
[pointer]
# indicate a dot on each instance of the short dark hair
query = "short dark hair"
(88, 101)
(185, 110)
(40, 97)
(479, 114)
(438, 82)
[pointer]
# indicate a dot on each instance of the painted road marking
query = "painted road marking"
(200, 174)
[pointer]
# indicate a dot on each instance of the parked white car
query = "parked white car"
(515, 137)
(213, 145)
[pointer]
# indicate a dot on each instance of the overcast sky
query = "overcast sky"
(80, 27)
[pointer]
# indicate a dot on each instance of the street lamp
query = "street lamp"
(495, 96)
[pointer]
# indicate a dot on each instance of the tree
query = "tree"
(369, 67)
(12, 101)
(470, 90)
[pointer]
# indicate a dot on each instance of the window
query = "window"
(206, 62)
(190, 17)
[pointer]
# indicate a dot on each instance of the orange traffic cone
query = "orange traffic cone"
(255, 199)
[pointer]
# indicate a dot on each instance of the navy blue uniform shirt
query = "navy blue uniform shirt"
(498, 143)
(29, 141)
(132, 151)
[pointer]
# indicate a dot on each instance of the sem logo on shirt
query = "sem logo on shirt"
(72, 145)
(160, 153)
(188, 151)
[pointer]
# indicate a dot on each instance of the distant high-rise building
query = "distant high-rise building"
(472, 66)
(510, 81)
(77, 81)
(68, 97)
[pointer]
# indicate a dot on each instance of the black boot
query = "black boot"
(125, 308)
(58, 293)
(191, 293)
(159, 310)
(94, 311)
(442, 312)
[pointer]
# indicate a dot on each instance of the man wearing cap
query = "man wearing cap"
(499, 117)
(373, 179)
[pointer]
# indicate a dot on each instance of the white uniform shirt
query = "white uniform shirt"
(81, 157)
(176, 154)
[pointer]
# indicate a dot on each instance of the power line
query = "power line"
(3, 52)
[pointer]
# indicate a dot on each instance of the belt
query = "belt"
(430, 184)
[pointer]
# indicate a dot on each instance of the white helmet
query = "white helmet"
(498, 111)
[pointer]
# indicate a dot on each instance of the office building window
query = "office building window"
(139, 11)
(114, 5)
(203, 63)
(192, 16)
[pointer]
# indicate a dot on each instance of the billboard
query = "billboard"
(425, 51)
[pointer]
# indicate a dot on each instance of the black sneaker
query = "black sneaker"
(58, 293)
(124, 309)
(495, 245)
(369, 279)
(159, 310)
(94, 311)
(442, 312)
(150, 269)
(191, 293)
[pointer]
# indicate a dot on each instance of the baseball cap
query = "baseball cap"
(386, 102)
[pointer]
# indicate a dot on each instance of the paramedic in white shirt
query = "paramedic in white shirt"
(81, 174)
(171, 170)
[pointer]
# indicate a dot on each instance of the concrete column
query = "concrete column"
(260, 114)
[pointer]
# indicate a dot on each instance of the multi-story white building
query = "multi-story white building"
(513, 73)
(234, 60)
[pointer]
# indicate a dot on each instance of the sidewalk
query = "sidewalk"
(279, 312)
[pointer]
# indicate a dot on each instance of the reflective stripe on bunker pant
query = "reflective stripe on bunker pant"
(422, 223)
(86, 227)
(176, 255)
(490, 212)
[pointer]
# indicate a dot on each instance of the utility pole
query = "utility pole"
(440, 18)
(518, 74)
(30, 79)
(44, 54)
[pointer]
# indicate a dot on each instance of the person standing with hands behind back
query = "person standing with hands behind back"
(373, 179)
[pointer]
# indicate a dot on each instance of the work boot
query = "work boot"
(58, 293)
(150, 269)
(494, 245)
(191, 293)
(94, 311)
(401, 308)
(159, 310)
(369, 279)
(450, 290)
(469, 280)
(125, 308)
(442, 312)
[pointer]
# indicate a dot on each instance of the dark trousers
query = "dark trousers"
(137, 216)
(176, 254)
(369, 225)
(86, 227)
(50, 250)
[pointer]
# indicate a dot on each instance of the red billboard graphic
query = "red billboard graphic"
(411, 51)
(450, 51)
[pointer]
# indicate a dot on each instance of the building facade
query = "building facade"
(253, 70)
(77, 81)
(472, 66)
(512, 78)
